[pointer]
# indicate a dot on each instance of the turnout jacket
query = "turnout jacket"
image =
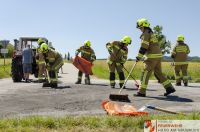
(180, 53)
(150, 47)
(118, 52)
(53, 59)
(86, 53)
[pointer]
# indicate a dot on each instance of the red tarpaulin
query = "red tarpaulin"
(83, 65)
(113, 108)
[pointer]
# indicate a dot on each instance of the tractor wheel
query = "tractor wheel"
(36, 74)
(16, 69)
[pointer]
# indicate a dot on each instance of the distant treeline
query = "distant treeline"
(168, 59)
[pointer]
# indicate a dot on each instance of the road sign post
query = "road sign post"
(4, 51)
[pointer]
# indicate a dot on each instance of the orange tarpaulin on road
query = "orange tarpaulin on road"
(113, 108)
(83, 65)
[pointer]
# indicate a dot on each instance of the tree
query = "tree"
(68, 56)
(1, 46)
(165, 45)
(65, 56)
(10, 48)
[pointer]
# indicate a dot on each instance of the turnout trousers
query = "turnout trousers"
(153, 65)
(119, 67)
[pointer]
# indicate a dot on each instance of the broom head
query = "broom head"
(119, 97)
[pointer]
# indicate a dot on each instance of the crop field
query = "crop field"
(101, 70)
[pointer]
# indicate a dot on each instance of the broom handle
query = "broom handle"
(163, 110)
(130, 75)
(127, 78)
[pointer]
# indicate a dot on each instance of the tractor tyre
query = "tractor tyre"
(16, 69)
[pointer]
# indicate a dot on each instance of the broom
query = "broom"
(119, 96)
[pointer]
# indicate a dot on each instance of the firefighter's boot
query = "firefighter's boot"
(169, 90)
(78, 81)
(178, 84)
(185, 83)
(87, 80)
(121, 85)
(138, 94)
(54, 85)
(46, 84)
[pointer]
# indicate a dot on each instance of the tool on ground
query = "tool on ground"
(48, 84)
(158, 109)
(113, 108)
(119, 96)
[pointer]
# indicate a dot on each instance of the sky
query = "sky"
(68, 23)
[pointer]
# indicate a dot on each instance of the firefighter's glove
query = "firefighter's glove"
(37, 57)
(123, 60)
(172, 56)
(110, 50)
(137, 59)
(76, 53)
(47, 60)
(48, 67)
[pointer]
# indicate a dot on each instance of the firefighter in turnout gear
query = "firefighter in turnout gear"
(179, 54)
(54, 62)
(151, 50)
(87, 53)
(118, 55)
(41, 62)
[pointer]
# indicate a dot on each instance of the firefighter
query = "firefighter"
(118, 55)
(151, 49)
(54, 62)
(41, 62)
(87, 53)
(179, 54)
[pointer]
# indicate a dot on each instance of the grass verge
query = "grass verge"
(5, 70)
(86, 123)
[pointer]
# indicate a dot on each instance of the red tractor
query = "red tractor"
(19, 45)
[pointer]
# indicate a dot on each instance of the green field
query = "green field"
(101, 70)
(85, 123)
(5, 71)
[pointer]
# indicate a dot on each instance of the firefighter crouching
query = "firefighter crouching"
(118, 55)
(54, 62)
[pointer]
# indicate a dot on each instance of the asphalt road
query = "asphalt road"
(22, 99)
